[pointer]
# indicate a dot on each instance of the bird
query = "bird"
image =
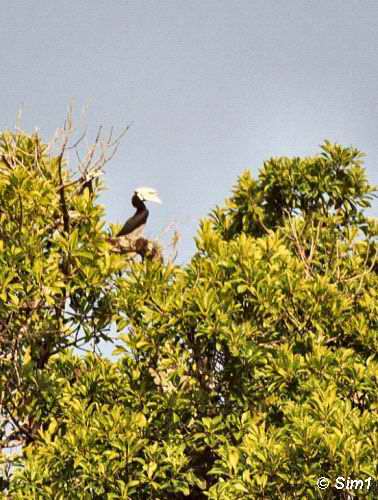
(133, 227)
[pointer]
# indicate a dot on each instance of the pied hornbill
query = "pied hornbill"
(133, 227)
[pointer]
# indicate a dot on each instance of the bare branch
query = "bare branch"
(23, 430)
(146, 249)
(81, 138)
(63, 202)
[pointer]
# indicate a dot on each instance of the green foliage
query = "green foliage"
(250, 372)
(56, 277)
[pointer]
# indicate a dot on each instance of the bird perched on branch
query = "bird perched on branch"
(129, 239)
(133, 227)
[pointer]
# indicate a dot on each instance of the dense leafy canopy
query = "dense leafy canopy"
(249, 372)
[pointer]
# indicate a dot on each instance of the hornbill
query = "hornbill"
(133, 227)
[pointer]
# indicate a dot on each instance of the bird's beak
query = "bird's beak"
(148, 194)
(156, 199)
(152, 197)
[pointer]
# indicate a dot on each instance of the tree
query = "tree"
(56, 268)
(249, 372)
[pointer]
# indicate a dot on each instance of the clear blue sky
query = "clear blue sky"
(212, 87)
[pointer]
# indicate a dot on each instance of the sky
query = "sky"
(211, 88)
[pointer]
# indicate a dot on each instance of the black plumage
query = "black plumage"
(137, 222)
